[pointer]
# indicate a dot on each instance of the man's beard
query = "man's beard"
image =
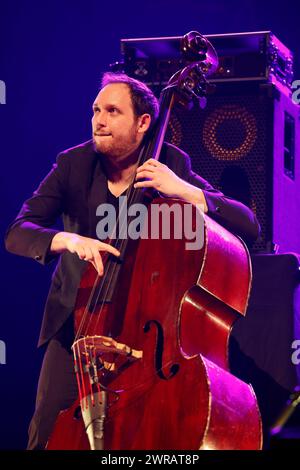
(117, 148)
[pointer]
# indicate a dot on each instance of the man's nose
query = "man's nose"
(101, 119)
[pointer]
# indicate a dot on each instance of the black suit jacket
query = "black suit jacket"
(74, 188)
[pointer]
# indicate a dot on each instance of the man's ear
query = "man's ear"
(144, 122)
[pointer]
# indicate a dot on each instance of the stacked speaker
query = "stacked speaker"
(245, 143)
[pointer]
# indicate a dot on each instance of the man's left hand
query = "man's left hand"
(160, 177)
(164, 180)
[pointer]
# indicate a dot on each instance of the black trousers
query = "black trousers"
(57, 386)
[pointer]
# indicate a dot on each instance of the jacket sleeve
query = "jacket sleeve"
(231, 214)
(30, 234)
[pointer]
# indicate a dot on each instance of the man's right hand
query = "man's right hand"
(86, 248)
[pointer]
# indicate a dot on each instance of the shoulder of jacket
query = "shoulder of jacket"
(81, 151)
(173, 151)
(174, 157)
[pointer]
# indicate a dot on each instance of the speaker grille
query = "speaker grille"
(230, 145)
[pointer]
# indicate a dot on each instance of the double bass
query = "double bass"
(151, 334)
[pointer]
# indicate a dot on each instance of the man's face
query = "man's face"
(116, 130)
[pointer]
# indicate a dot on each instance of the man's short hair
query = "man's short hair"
(143, 99)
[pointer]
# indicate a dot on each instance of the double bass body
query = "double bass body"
(175, 391)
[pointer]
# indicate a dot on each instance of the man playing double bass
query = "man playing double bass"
(85, 176)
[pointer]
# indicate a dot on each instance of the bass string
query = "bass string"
(131, 196)
(87, 311)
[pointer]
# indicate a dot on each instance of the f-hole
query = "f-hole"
(159, 350)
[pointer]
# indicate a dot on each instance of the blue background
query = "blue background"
(52, 56)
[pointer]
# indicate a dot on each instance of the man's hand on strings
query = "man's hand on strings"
(164, 180)
(87, 249)
(160, 177)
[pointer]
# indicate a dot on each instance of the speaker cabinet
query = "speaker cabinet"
(244, 142)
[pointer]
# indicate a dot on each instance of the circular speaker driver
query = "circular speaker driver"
(229, 132)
